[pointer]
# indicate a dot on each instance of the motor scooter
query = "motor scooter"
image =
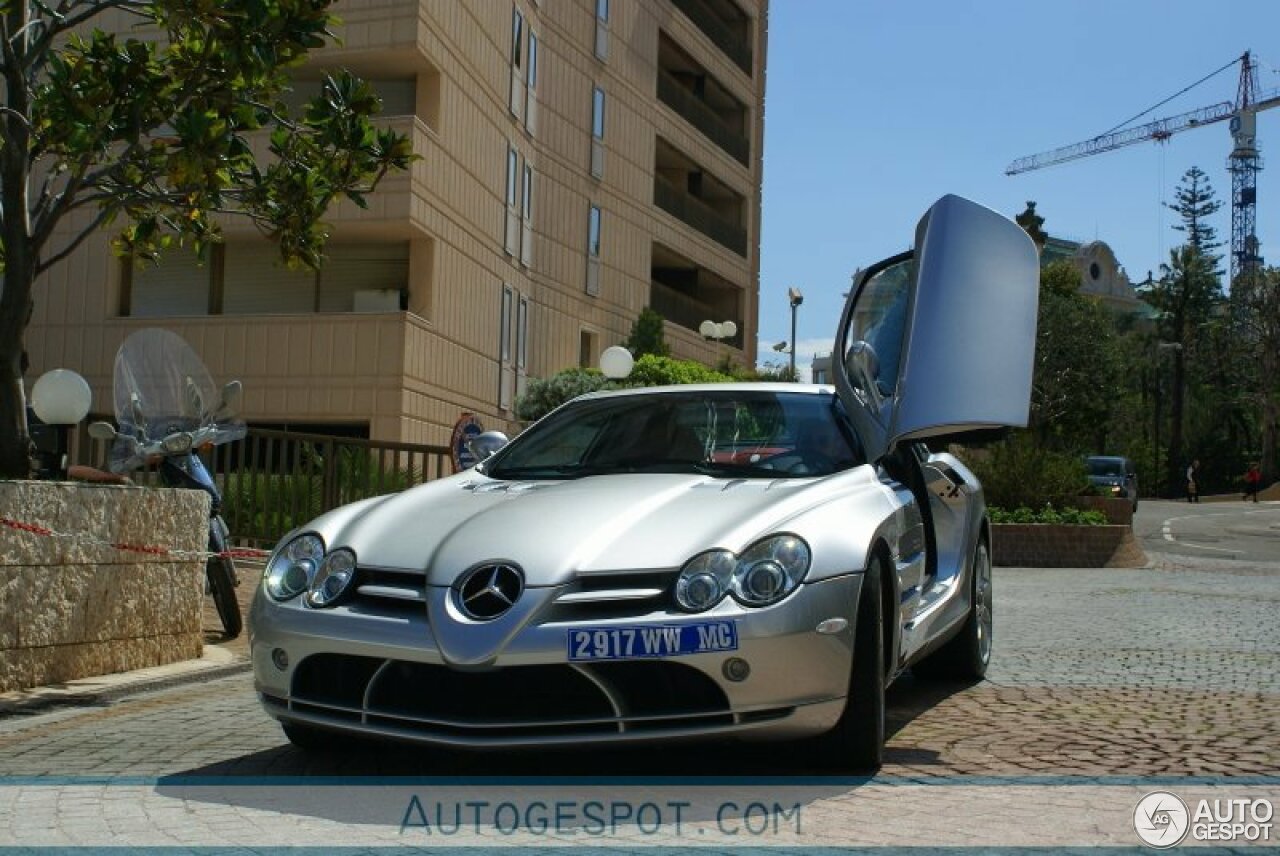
(161, 392)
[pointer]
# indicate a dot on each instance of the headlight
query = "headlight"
(290, 571)
(332, 579)
(1115, 488)
(766, 573)
(176, 444)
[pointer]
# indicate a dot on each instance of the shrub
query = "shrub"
(652, 370)
(1048, 515)
(1017, 472)
(543, 396)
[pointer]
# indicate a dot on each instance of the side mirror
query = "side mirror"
(231, 394)
(486, 444)
(195, 401)
(102, 431)
(862, 365)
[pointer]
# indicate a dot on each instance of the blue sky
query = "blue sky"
(873, 110)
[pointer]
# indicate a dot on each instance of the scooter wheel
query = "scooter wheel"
(222, 584)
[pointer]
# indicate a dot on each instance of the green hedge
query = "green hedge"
(1048, 514)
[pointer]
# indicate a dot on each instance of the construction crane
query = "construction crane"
(1243, 163)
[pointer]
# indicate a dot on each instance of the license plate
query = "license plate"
(664, 640)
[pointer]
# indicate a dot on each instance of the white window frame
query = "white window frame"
(510, 211)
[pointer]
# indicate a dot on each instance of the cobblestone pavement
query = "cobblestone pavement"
(1098, 677)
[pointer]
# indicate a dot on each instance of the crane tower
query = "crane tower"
(1243, 163)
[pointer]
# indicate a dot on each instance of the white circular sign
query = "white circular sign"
(1161, 819)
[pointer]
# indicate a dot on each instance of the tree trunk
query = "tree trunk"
(16, 303)
(1175, 463)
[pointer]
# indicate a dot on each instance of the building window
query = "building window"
(526, 218)
(511, 230)
(597, 132)
(593, 232)
(517, 95)
(593, 251)
(517, 37)
(522, 334)
(504, 331)
(602, 29)
(597, 113)
(531, 80)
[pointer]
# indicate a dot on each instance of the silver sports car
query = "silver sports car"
(754, 560)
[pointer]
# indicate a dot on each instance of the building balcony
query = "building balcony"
(692, 211)
(699, 114)
(689, 312)
(724, 24)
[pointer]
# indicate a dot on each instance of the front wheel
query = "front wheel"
(857, 741)
(221, 573)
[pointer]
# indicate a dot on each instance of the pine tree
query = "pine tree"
(1195, 202)
(1033, 224)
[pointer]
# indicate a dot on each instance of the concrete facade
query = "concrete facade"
(73, 607)
(485, 264)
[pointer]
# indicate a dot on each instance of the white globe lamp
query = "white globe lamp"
(61, 397)
(616, 362)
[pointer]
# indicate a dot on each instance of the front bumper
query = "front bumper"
(387, 676)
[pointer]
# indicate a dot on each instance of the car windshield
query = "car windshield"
(1105, 467)
(730, 433)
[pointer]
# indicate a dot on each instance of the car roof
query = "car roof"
(1107, 458)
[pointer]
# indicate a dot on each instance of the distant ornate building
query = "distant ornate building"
(1101, 275)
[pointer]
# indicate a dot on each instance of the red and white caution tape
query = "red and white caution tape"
(149, 549)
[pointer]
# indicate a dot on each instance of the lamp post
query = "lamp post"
(796, 298)
(59, 399)
(718, 332)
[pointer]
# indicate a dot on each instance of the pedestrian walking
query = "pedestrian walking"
(1252, 479)
(1193, 492)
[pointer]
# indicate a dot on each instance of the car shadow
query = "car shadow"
(326, 784)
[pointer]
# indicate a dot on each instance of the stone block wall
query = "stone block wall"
(1037, 545)
(72, 607)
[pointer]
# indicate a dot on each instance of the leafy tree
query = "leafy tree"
(1187, 296)
(1258, 309)
(647, 336)
(1076, 367)
(1033, 224)
(154, 133)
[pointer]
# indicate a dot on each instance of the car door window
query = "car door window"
(880, 320)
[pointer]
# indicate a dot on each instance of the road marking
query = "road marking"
(1166, 529)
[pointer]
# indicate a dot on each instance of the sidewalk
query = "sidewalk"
(221, 657)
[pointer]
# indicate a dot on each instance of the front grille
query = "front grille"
(591, 597)
(631, 594)
(514, 703)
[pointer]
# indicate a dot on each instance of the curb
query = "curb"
(215, 663)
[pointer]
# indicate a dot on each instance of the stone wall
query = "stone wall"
(70, 608)
(1037, 545)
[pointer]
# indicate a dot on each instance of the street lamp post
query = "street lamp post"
(796, 298)
(61, 398)
(718, 331)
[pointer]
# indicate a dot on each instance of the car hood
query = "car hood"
(556, 529)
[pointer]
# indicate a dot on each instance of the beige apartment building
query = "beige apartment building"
(581, 159)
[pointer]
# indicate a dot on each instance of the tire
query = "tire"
(966, 655)
(306, 737)
(222, 584)
(857, 741)
(221, 573)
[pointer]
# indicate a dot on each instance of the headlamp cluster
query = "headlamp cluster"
(764, 574)
(304, 566)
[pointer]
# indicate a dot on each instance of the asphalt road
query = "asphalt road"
(1241, 531)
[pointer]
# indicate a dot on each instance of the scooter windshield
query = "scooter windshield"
(161, 387)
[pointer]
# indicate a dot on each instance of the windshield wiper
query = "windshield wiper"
(557, 471)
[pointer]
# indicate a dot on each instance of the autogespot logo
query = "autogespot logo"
(1161, 819)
